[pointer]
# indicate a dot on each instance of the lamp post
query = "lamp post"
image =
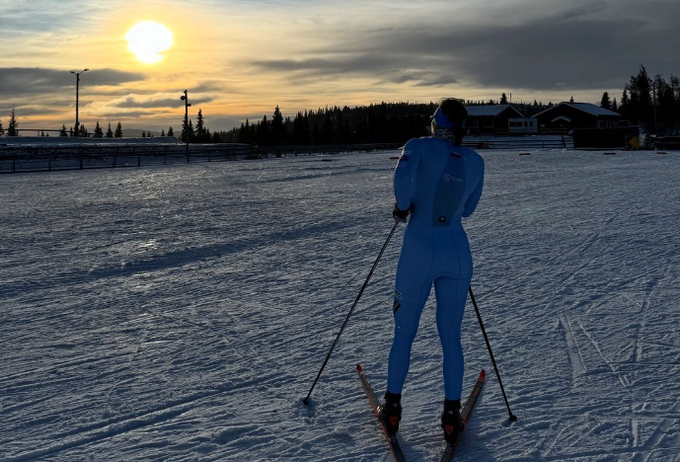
(185, 98)
(77, 74)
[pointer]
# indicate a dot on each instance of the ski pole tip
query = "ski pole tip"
(513, 418)
(305, 401)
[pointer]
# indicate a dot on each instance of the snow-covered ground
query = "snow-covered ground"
(180, 313)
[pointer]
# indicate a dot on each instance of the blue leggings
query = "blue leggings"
(451, 296)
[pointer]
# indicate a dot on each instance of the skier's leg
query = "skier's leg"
(406, 320)
(451, 298)
(412, 288)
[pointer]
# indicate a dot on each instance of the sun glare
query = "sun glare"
(147, 40)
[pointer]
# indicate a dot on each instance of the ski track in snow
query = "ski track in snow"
(182, 312)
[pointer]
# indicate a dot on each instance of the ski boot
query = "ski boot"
(452, 422)
(390, 412)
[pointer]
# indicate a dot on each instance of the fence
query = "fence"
(41, 158)
(558, 142)
(52, 157)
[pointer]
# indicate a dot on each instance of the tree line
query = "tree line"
(653, 103)
(82, 132)
(385, 122)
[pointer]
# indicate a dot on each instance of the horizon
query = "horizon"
(240, 60)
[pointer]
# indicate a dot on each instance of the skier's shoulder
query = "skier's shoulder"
(416, 145)
(418, 142)
(470, 153)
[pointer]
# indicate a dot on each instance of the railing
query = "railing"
(37, 158)
(521, 143)
(53, 157)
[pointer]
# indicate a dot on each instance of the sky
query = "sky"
(240, 59)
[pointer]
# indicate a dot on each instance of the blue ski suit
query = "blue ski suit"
(443, 182)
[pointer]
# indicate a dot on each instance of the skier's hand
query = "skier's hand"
(401, 215)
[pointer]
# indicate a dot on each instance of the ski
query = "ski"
(450, 449)
(392, 440)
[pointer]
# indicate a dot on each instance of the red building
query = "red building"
(568, 116)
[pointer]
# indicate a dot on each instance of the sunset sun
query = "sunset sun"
(147, 40)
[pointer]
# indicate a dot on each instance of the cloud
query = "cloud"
(158, 102)
(385, 65)
(533, 45)
(19, 81)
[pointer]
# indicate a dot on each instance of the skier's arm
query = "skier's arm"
(404, 175)
(473, 199)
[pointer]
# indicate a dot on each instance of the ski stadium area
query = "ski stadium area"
(181, 312)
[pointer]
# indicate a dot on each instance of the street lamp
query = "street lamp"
(77, 74)
(185, 98)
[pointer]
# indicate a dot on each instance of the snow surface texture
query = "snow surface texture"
(181, 312)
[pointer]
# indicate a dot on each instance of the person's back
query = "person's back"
(442, 179)
(437, 182)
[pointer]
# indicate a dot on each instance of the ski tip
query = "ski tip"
(482, 375)
(359, 369)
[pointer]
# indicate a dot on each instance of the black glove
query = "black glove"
(401, 215)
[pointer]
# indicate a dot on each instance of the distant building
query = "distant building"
(568, 116)
(525, 125)
(492, 118)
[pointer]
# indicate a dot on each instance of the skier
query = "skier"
(437, 181)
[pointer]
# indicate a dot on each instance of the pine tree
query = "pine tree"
(640, 104)
(571, 100)
(188, 134)
(615, 106)
(119, 131)
(242, 133)
(263, 134)
(109, 132)
(605, 103)
(98, 132)
(163, 132)
(63, 131)
(624, 99)
(278, 134)
(13, 125)
(504, 99)
(143, 134)
(171, 132)
(200, 133)
(83, 131)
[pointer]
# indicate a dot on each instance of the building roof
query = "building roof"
(492, 110)
(588, 108)
(565, 118)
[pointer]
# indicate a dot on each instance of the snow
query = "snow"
(182, 312)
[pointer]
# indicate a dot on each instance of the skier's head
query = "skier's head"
(450, 115)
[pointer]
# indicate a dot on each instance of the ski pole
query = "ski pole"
(512, 416)
(306, 400)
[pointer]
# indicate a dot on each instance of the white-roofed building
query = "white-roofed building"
(567, 116)
(491, 118)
